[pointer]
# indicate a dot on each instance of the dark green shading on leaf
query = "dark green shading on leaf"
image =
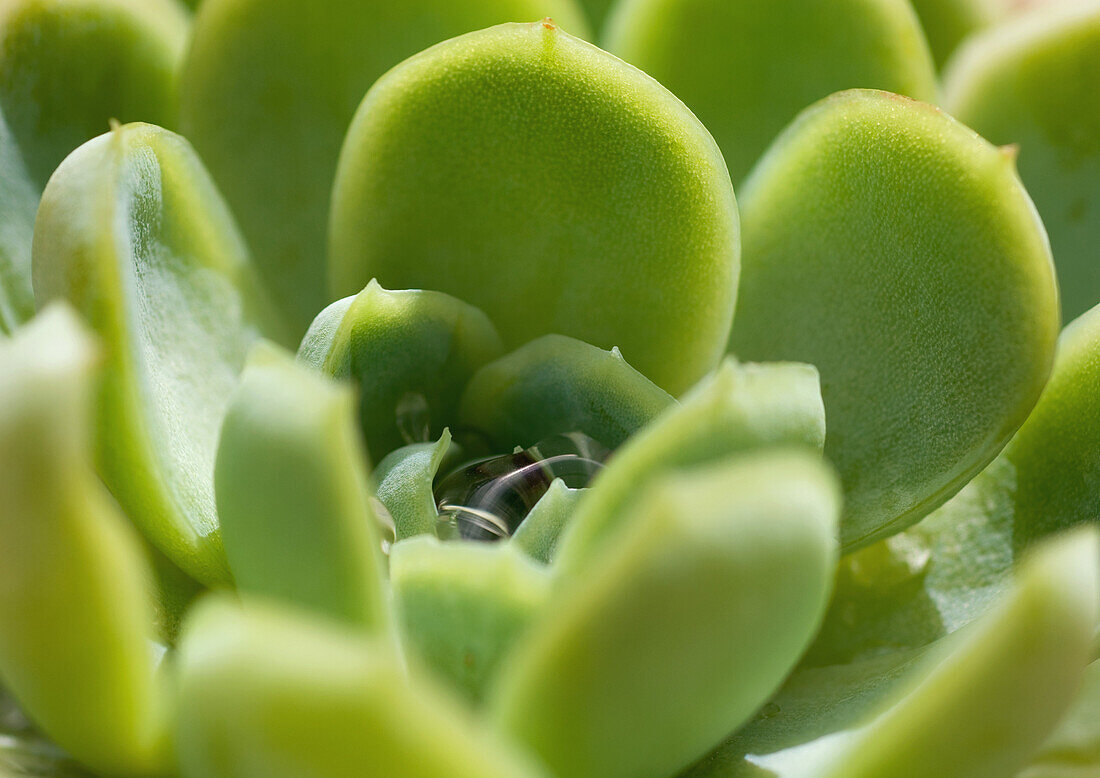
(411, 354)
(947, 23)
(557, 385)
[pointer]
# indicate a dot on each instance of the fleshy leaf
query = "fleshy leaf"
(683, 626)
(133, 233)
(280, 80)
(894, 249)
(462, 605)
(551, 185)
(403, 483)
(291, 485)
(538, 534)
(1073, 749)
(975, 703)
(1031, 82)
(945, 571)
(1055, 452)
(913, 588)
(554, 385)
(66, 68)
(597, 11)
(266, 692)
(76, 615)
(747, 68)
(402, 348)
(947, 23)
(737, 409)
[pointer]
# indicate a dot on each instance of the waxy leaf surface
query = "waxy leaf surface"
(67, 67)
(551, 185)
(538, 535)
(683, 626)
(462, 605)
(895, 250)
(1032, 82)
(76, 614)
(266, 692)
(747, 68)
(293, 500)
(132, 232)
(409, 352)
(738, 409)
(268, 90)
(403, 484)
(556, 385)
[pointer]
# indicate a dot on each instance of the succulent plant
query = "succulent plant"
(373, 399)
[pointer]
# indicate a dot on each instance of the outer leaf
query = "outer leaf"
(538, 534)
(975, 704)
(551, 185)
(133, 233)
(948, 22)
(292, 493)
(66, 68)
(912, 270)
(738, 409)
(25, 752)
(945, 571)
(557, 384)
(1073, 749)
(915, 587)
(597, 11)
(268, 90)
(463, 605)
(397, 344)
(76, 617)
(683, 627)
(994, 693)
(404, 485)
(265, 693)
(1031, 82)
(747, 68)
(1055, 452)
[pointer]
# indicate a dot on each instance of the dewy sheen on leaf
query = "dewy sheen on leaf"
(133, 233)
(553, 186)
